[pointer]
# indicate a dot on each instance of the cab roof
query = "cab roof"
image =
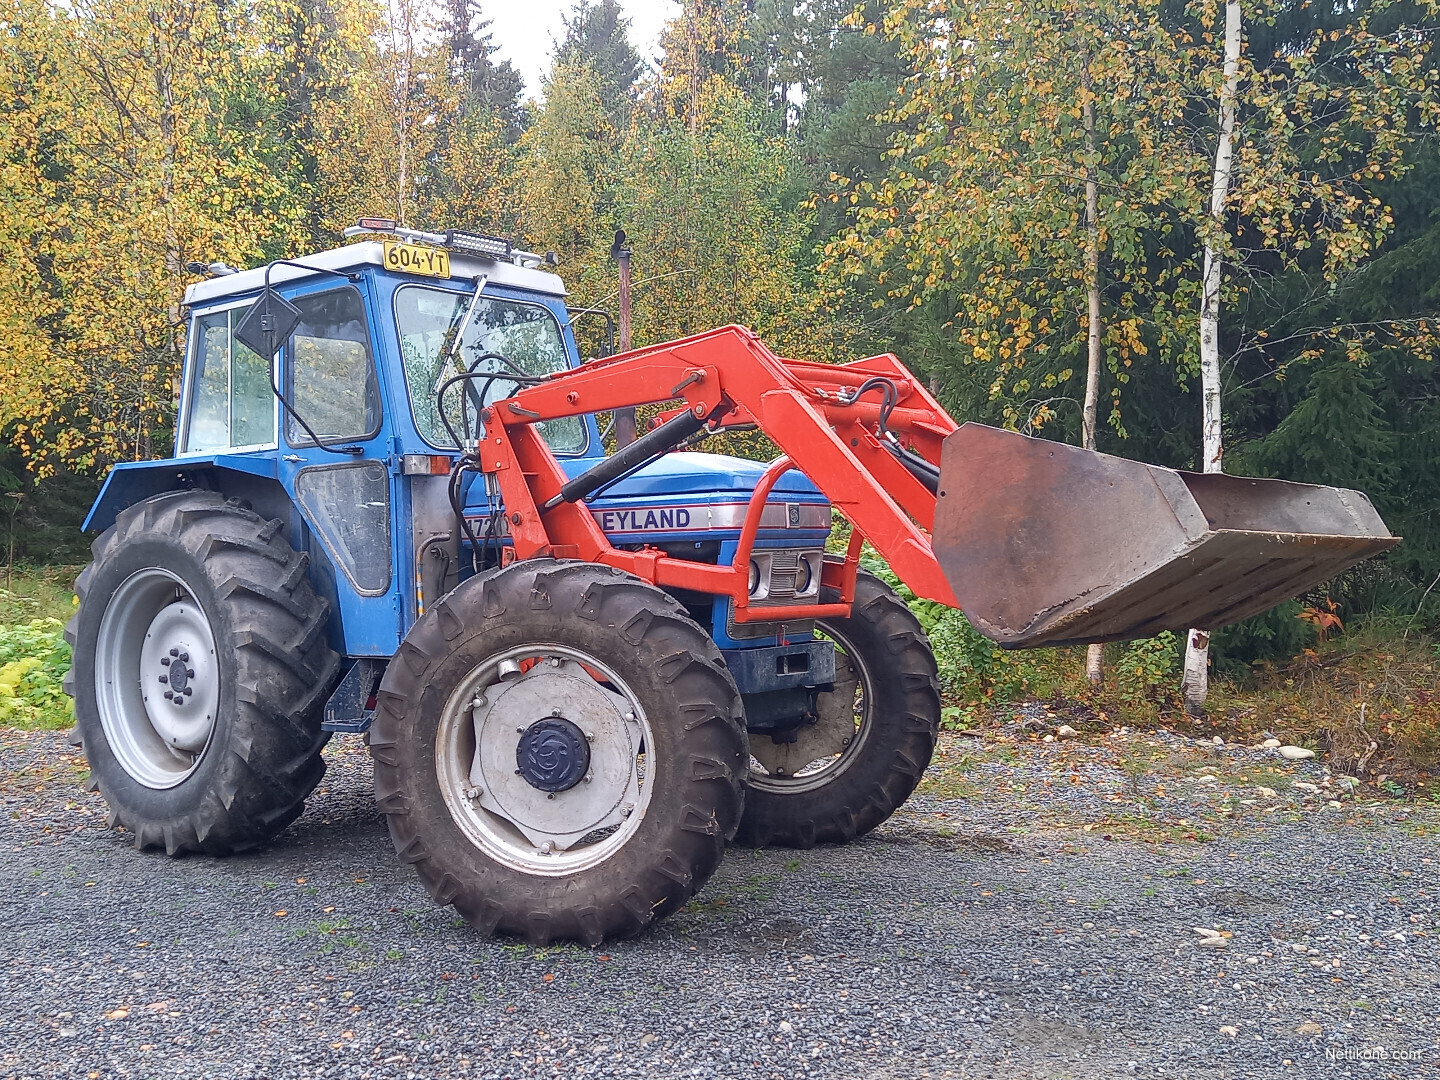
(371, 253)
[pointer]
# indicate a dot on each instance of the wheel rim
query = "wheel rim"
(827, 748)
(157, 678)
(541, 759)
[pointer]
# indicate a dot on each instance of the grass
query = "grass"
(44, 592)
(1370, 698)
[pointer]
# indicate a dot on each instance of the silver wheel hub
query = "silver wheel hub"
(541, 758)
(157, 678)
(179, 677)
(822, 750)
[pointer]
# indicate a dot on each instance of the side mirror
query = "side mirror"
(268, 324)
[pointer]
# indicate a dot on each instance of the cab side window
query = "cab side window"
(231, 403)
(331, 371)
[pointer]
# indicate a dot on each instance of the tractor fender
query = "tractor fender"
(131, 482)
(249, 478)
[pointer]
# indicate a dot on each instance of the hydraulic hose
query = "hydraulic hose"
(915, 465)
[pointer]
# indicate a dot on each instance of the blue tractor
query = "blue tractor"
(248, 593)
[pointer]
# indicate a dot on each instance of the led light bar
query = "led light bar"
(486, 247)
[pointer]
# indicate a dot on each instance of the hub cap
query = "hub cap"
(553, 755)
(157, 678)
(824, 749)
(541, 759)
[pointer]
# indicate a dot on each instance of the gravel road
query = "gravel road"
(1030, 914)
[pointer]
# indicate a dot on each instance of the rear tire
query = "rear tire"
(886, 704)
(635, 782)
(213, 751)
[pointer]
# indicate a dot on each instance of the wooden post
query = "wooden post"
(624, 418)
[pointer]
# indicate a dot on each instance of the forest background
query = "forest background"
(945, 180)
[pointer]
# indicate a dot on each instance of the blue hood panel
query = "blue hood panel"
(686, 496)
(689, 473)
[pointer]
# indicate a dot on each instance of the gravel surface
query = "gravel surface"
(1031, 913)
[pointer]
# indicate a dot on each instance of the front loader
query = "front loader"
(580, 675)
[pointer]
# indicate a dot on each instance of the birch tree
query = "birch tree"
(1031, 187)
(1195, 680)
(1039, 155)
(1303, 138)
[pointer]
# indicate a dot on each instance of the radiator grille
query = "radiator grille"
(784, 569)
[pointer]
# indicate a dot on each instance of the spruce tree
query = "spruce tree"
(598, 35)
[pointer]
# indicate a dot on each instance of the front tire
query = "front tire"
(558, 751)
(875, 733)
(199, 674)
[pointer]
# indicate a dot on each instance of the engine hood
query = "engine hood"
(691, 473)
(687, 495)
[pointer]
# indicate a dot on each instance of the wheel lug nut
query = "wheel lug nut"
(163, 679)
(184, 657)
(190, 673)
(164, 661)
(174, 652)
(188, 691)
(169, 696)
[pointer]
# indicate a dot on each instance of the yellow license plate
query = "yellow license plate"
(417, 259)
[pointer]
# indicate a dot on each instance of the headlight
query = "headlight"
(804, 576)
(754, 577)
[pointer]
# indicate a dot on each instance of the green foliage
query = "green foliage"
(1147, 670)
(1275, 636)
(28, 593)
(33, 660)
(976, 670)
(43, 525)
(596, 36)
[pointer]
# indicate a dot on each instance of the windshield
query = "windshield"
(526, 335)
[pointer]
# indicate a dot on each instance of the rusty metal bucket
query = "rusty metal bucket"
(1048, 544)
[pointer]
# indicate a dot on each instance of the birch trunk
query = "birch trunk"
(1195, 683)
(174, 270)
(1095, 654)
(402, 86)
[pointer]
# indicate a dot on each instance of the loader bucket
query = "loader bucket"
(1048, 544)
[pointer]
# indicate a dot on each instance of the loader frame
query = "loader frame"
(811, 411)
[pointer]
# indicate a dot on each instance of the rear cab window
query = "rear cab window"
(231, 403)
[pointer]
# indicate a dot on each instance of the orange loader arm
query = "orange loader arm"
(728, 378)
(1038, 542)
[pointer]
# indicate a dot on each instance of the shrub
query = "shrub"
(1147, 671)
(33, 661)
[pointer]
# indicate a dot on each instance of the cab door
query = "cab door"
(334, 462)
